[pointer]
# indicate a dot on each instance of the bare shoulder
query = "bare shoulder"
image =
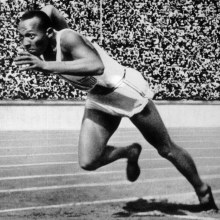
(76, 44)
(70, 39)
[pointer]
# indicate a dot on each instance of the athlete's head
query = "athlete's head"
(35, 29)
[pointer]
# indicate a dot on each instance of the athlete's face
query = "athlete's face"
(34, 39)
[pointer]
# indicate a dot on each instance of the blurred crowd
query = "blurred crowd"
(175, 44)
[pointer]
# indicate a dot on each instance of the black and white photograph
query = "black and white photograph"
(110, 109)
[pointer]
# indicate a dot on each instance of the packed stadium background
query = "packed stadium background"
(173, 43)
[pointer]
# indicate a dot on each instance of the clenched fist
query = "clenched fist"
(29, 61)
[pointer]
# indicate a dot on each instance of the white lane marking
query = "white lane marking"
(71, 136)
(39, 155)
(99, 202)
(197, 141)
(43, 147)
(75, 162)
(38, 164)
(76, 153)
(160, 158)
(121, 141)
(114, 183)
(116, 135)
(215, 141)
(91, 173)
(40, 139)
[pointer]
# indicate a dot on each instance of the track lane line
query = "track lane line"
(111, 142)
(67, 137)
(76, 153)
(91, 173)
(38, 164)
(38, 146)
(77, 136)
(39, 155)
(76, 162)
(114, 183)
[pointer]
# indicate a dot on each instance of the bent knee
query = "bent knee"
(166, 151)
(87, 165)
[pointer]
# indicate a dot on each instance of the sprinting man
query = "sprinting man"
(114, 91)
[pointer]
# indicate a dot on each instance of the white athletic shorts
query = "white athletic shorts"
(126, 99)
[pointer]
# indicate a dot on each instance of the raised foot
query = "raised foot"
(207, 201)
(133, 170)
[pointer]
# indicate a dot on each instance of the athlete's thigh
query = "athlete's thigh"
(97, 127)
(151, 126)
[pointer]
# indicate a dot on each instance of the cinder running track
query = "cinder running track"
(40, 178)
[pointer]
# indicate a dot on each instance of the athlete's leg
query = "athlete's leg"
(97, 128)
(152, 127)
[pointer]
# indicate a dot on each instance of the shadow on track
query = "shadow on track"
(157, 206)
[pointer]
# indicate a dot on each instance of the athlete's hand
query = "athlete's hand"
(29, 61)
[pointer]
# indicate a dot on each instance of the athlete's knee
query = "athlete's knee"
(165, 153)
(88, 164)
(167, 150)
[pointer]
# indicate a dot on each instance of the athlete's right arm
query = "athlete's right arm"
(58, 21)
(82, 58)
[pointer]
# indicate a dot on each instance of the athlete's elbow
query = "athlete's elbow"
(100, 69)
(95, 66)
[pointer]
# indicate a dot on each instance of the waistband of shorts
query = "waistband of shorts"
(102, 90)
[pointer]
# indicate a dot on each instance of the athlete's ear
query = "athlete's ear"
(49, 32)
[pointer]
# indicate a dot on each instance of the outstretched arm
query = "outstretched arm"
(58, 21)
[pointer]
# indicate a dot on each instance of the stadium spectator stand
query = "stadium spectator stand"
(175, 44)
